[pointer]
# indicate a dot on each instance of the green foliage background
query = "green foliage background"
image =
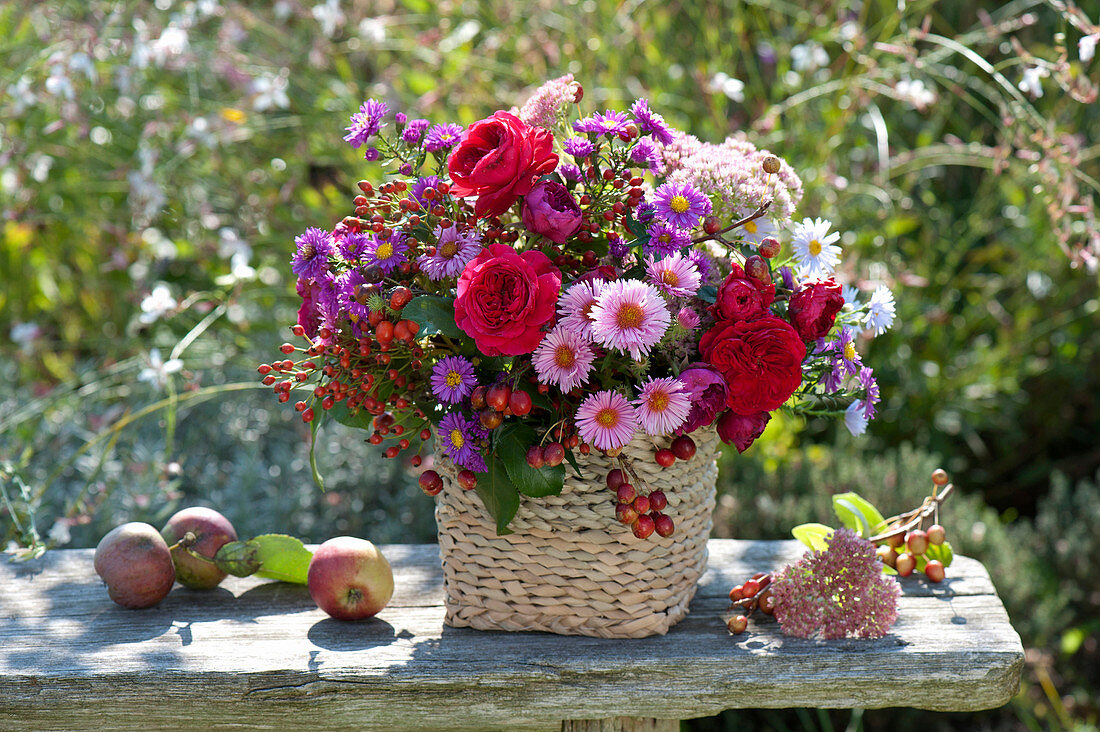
(129, 158)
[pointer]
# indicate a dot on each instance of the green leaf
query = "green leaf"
(635, 227)
(942, 552)
(812, 535)
(857, 513)
(512, 443)
(572, 460)
(275, 556)
(500, 497)
(434, 314)
(361, 419)
(707, 293)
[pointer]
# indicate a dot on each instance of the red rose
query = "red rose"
(813, 308)
(740, 430)
(761, 360)
(504, 299)
(742, 297)
(498, 160)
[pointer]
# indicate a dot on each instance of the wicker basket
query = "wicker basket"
(569, 567)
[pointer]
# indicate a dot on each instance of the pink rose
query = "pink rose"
(505, 298)
(706, 388)
(742, 297)
(550, 210)
(741, 430)
(498, 160)
(813, 308)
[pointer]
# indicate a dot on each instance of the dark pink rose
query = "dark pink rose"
(706, 388)
(550, 210)
(498, 160)
(741, 430)
(742, 297)
(813, 308)
(505, 298)
(761, 360)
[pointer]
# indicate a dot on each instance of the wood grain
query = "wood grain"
(258, 654)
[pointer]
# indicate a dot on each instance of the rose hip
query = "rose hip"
(498, 396)
(641, 504)
(535, 457)
(657, 500)
(553, 454)
(643, 527)
(664, 457)
(467, 479)
(625, 493)
(683, 447)
(663, 524)
(615, 478)
(520, 403)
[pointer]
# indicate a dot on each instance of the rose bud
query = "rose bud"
(550, 210)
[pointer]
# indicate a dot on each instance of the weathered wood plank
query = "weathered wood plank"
(256, 653)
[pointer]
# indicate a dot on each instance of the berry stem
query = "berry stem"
(903, 523)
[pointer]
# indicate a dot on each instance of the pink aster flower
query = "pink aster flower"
(681, 204)
(606, 420)
(630, 315)
(453, 251)
(575, 306)
(840, 592)
(687, 318)
(662, 406)
(673, 275)
(564, 358)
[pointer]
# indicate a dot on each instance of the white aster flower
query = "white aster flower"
(880, 310)
(850, 295)
(1031, 82)
(270, 93)
(854, 419)
(156, 373)
(814, 250)
(808, 56)
(731, 87)
(157, 304)
(329, 16)
(1086, 47)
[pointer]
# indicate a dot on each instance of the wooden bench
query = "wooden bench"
(259, 654)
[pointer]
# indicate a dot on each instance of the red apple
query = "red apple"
(349, 578)
(212, 531)
(135, 564)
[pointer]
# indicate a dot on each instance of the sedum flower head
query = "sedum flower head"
(840, 592)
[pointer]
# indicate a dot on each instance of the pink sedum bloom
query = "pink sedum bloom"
(840, 592)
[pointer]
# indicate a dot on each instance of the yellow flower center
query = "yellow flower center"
(457, 439)
(849, 350)
(679, 204)
(630, 315)
(564, 357)
(453, 378)
(658, 402)
(750, 226)
(815, 248)
(665, 238)
(669, 278)
(448, 250)
(307, 249)
(384, 251)
(607, 417)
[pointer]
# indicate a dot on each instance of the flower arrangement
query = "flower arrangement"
(544, 283)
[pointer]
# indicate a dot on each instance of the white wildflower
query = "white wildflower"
(880, 310)
(854, 419)
(1031, 83)
(157, 372)
(814, 251)
(1086, 47)
(732, 88)
(329, 16)
(157, 304)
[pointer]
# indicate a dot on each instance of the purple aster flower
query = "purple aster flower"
(616, 246)
(422, 184)
(606, 420)
(443, 137)
(456, 440)
(608, 123)
(366, 122)
(846, 361)
(664, 239)
(705, 263)
(453, 379)
(870, 386)
(839, 592)
(400, 118)
(644, 153)
(310, 260)
(347, 291)
(787, 275)
(453, 251)
(662, 406)
(630, 316)
(578, 147)
(645, 211)
(673, 275)
(352, 246)
(569, 172)
(681, 204)
(371, 154)
(386, 253)
(414, 131)
(651, 123)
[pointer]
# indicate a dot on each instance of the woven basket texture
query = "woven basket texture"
(571, 568)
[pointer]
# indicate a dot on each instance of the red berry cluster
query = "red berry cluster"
(755, 594)
(902, 548)
(643, 512)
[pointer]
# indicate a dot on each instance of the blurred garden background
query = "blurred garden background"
(157, 160)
